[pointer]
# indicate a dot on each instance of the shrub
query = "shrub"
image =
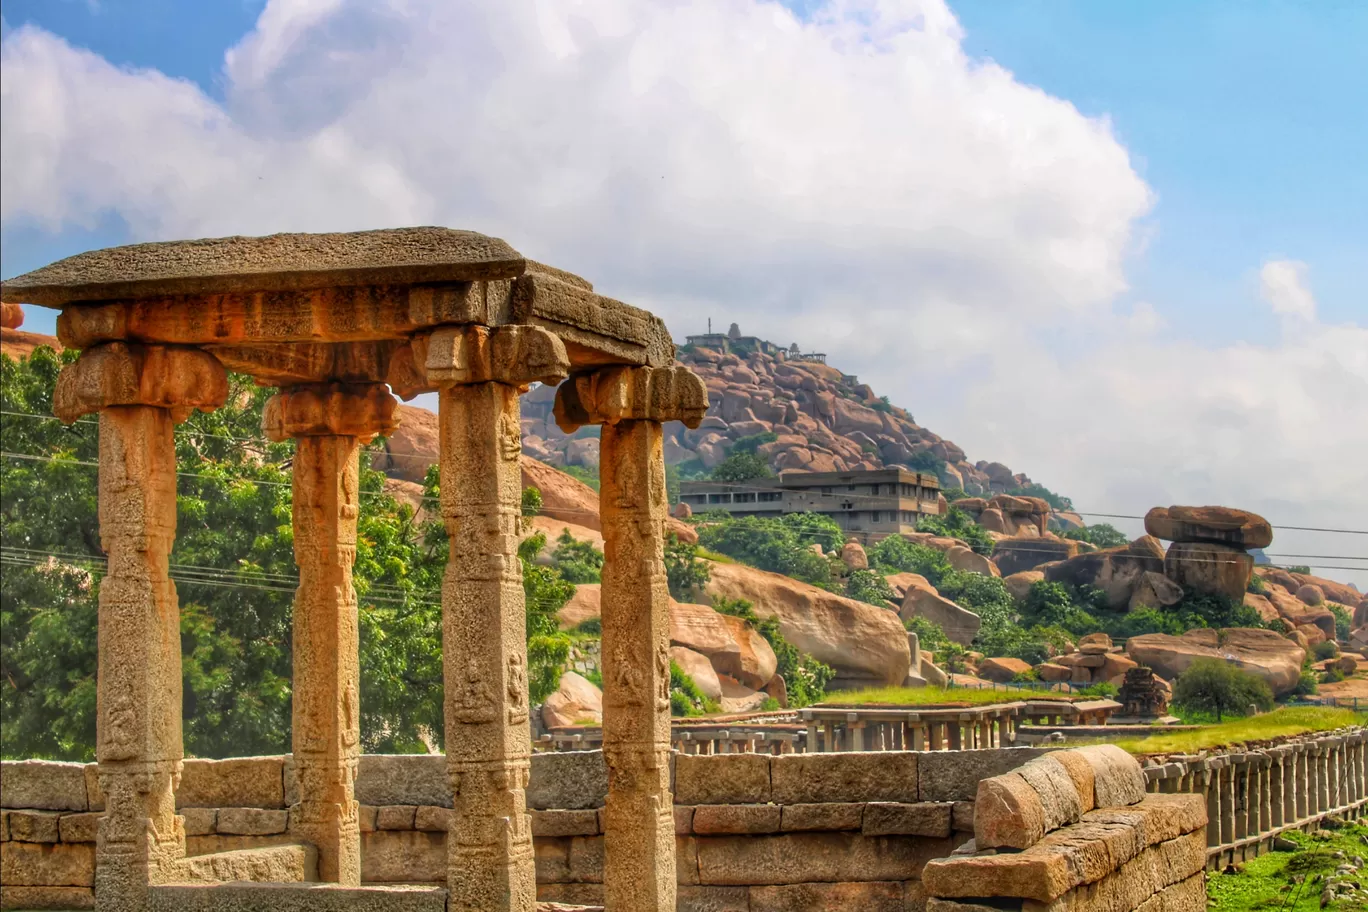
(1217, 686)
(1026, 677)
(685, 697)
(958, 524)
(1256, 584)
(577, 561)
(1052, 605)
(531, 505)
(930, 635)
(1058, 501)
(778, 545)
(927, 462)
(590, 627)
(1331, 675)
(869, 586)
(1103, 535)
(752, 442)
(685, 573)
(1326, 650)
(1303, 569)
(1343, 620)
(580, 473)
(1197, 609)
(1306, 684)
(742, 467)
(896, 554)
(1144, 620)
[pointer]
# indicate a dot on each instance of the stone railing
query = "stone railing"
(1074, 830)
(753, 831)
(1254, 795)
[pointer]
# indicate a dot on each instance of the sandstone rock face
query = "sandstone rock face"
(1015, 555)
(1019, 584)
(960, 624)
(1002, 669)
(755, 660)
(576, 701)
(412, 447)
(866, 645)
(1273, 658)
(1154, 590)
(1311, 595)
(1206, 567)
(700, 628)
(1217, 525)
(697, 666)
(854, 557)
(971, 561)
(1116, 571)
(583, 606)
(902, 582)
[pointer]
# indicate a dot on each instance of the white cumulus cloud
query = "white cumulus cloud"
(854, 181)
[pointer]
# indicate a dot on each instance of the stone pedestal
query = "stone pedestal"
(639, 849)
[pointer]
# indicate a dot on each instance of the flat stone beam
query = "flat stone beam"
(330, 423)
(297, 363)
(278, 262)
(639, 849)
(484, 623)
(596, 330)
(138, 394)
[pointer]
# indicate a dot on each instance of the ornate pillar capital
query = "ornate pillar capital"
(616, 394)
(122, 373)
(514, 355)
(360, 410)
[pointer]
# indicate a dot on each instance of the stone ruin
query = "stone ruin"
(1141, 695)
(337, 322)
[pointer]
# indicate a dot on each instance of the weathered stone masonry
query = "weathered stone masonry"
(750, 831)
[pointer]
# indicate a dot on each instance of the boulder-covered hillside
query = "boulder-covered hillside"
(823, 419)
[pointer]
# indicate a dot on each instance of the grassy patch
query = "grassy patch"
(713, 556)
(1266, 883)
(1290, 720)
(931, 696)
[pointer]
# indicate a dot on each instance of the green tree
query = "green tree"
(1219, 687)
(577, 561)
(869, 586)
(531, 505)
(1103, 535)
(739, 467)
(1058, 501)
(958, 524)
(685, 572)
(896, 554)
(777, 545)
(752, 442)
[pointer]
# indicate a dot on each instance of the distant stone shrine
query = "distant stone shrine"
(337, 322)
(1141, 696)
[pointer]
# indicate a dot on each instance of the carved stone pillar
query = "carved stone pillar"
(480, 374)
(1211, 784)
(330, 423)
(139, 392)
(631, 403)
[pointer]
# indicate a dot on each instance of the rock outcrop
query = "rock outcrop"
(1016, 555)
(1210, 546)
(1263, 652)
(576, 702)
(866, 645)
(960, 624)
(1116, 571)
(14, 342)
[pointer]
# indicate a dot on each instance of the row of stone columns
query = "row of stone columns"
(1251, 796)
(856, 734)
(140, 391)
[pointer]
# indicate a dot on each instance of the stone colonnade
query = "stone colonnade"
(1252, 796)
(837, 728)
(451, 312)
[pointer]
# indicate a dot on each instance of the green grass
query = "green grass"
(930, 696)
(1285, 722)
(713, 556)
(1265, 884)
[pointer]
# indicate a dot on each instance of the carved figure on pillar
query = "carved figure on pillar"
(330, 423)
(139, 392)
(631, 404)
(480, 373)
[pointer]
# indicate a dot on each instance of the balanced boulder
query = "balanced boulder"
(1218, 525)
(960, 624)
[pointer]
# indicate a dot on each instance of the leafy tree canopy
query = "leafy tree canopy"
(958, 524)
(1103, 535)
(739, 467)
(1220, 688)
(781, 545)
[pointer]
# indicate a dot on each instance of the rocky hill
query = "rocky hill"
(823, 419)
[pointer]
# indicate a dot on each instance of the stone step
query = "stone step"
(295, 897)
(291, 862)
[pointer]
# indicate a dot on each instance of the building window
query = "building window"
(719, 498)
(745, 497)
(770, 496)
(876, 516)
(850, 487)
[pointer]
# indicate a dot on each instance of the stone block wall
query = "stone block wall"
(753, 832)
(1075, 830)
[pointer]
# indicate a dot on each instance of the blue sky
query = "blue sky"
(1249, 120)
